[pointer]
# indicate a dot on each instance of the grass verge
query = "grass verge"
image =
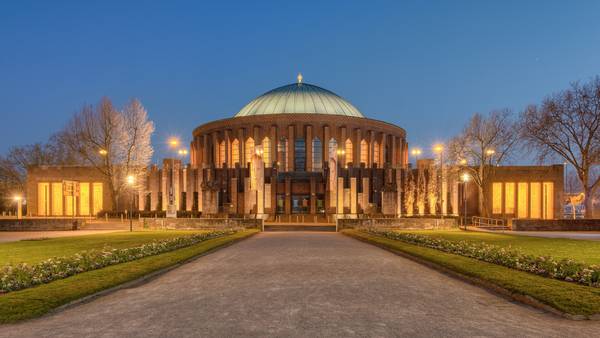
(584, 251)
(36, 301)
(35, 251)
(568, 299)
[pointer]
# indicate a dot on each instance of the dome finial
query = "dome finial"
(299, 78)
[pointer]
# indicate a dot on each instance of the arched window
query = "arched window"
(333, 148)
(299, 154)
(282, 154)
(249, 149)
(349, 158)
(376, 153)
(266, 148)
(235, 152)
(317, 154)
(364, 152)
(222, 158)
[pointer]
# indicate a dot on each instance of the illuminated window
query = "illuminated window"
(333, 147)
(97, 198)
(536, 200)
(249, 149)
(222, 158)
(349, 158)
(300, 154)
(376, 153)
(364, 152)
(43, 199)
(57, 199)
(266, 147)
(317, 154)
(282, 154)
(235, 152)
(69, 205)
(548, 201)
(509, 198)
(84, 198)
(522, 194)
(496, 198)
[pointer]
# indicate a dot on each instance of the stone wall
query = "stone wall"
(199, 223)
(555, 225)
(40, 224)
(407, 223)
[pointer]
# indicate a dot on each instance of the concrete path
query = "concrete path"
(13, 236)
(301, 285)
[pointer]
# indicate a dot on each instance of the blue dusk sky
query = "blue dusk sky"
(423, 65)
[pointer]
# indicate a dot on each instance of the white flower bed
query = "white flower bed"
(565, 269)
(21, 276)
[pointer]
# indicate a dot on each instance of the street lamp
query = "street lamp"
(103, 152)
(416, 152)
(439, 149)
(182, 152)
(465, 178)
(173, 142)
(19, 201)
(490, 153)
(131, 183)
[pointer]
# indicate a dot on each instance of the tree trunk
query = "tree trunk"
(481, 202)
(589, 202)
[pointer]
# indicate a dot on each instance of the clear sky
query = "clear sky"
(423, 65)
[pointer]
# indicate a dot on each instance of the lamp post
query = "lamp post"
(439, 149)
(19, 201)
(490, 153)
(416, 152)
(131, 183)
(465, 178)
(340, 153)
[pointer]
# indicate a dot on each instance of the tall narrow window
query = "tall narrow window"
(349, 158)
(57, 199)
(300, 154)
(522, 194)
(249, 149)
(317, 154)
(235, 152)
(496, 198)
(536, 200)
(509, 197)
(222, 158)
(282, 161)
(548, 202)
(97, 198)
(333, 148)
(43, 199)
(376, 153)
(84, 198)
(266, 148)
(364, 152)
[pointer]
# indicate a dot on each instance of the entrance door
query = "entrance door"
(300, 204)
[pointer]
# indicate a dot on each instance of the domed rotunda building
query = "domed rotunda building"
(297, 149)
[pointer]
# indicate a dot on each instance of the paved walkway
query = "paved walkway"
(13, 236)
(303, 285)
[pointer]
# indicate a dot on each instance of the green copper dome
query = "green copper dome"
(299, 98)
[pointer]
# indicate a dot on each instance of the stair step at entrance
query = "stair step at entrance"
(299, 227)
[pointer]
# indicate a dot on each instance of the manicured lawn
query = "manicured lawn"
(567, 297)
(34, 251)
(36, 301)
(578, 250)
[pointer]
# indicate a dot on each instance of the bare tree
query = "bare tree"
(484, 143)
(116, 143)
(566, 125)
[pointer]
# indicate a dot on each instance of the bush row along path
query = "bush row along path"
(301, 284)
